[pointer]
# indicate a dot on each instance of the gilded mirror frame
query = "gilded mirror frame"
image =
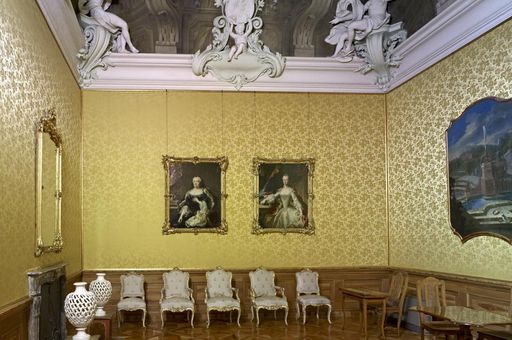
(299, 173)
(48, 125)
(180, 173)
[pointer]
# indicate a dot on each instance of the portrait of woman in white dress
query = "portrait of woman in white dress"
(286, 206)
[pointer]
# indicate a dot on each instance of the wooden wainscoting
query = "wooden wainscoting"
(331, 279)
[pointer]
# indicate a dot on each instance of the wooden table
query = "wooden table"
(465, 317)
(106, 321)
(365, 297)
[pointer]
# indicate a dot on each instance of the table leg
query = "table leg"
(343, 309)
(365, 317)
(108, 331)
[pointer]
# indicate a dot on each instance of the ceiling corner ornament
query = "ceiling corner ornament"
(104, 33)
(363, 31)
(248, 58)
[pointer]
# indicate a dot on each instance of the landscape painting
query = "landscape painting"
(480, 170)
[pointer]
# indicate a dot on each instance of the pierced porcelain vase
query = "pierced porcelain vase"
(102, 289)
(79, 307)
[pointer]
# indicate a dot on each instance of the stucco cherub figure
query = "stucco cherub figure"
(354, 25)
(97, 10)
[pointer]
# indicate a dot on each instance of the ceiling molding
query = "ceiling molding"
(453, 28)
(61, 19)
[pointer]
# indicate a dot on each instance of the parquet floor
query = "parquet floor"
(269, 329)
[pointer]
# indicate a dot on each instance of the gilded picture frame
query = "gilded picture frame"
(479, 170)
(195, 195)
(48, 185)
(283, 196)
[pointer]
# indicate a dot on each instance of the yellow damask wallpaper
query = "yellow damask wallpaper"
(419, 112)
(126, 134)
(34, 78)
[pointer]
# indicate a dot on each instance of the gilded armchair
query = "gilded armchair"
(219, 294)
(308, 294)
(132, 296)
(176, 295)
(263, 294)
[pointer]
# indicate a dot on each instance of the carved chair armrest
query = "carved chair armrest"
(252, 294)
(280, 289)
(162, 294)
(235, 290)
(191, 296)
(206, 295)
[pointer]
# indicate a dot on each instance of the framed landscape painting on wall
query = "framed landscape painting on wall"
(195, 195)
(480, 170)
(283, 196)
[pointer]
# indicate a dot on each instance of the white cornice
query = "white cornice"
(462, 22)
(456, 26)
(62, 21)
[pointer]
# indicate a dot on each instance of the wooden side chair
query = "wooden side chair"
(132, 296)
(308, 294)
(176, 295)
(397, 293)
(431, 292)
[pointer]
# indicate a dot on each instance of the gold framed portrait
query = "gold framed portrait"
(195, 195)
(283, 196)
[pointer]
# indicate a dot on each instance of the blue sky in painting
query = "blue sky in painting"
(467, 132)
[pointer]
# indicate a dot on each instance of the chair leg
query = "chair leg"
(230, 317)
(252, 313)
(275, 315)
(329, 313)
(257, 316)
(144, 318)
(192, 319)
(286, 316)
(317, 312)
(398, 323)
(162, 317)
(298, 310)
(238, 319)
(207, 319)
(118, 318)
(304, 314)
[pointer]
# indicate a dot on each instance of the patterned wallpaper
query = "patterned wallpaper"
(34, 78)
(126, 134)
(419, 112)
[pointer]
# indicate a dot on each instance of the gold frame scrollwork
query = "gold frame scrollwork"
(48, 124)
(308, 229)
(168, 162)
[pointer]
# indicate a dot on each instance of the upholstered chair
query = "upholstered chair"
(431, 292)
(220, 295)
(132, 296)
(308, 294)
(176, 295)
(263, 294)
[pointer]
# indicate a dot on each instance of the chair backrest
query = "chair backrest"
(262, 282)
(218, 283)
(132, 285)
(176, 283)
(431, 292)
(307, 282)
(398, 288)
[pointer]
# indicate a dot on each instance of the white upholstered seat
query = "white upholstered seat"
(263, 294)
(176, 295)
(308, 294)
(219, 294)
(132, 296)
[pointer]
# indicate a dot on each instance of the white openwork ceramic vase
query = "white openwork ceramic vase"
(102, 289)
(79, 307)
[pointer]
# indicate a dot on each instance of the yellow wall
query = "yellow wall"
(419, 112)
(33, 77)
(126, 134)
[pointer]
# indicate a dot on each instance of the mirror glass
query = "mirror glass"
(48, 186)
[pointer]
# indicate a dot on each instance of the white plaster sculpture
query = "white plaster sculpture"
(368, 37)
(104, 33)
(247, 59)
(79, 307)
(102, 289)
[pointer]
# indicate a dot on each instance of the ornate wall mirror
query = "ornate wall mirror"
(48, 185)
